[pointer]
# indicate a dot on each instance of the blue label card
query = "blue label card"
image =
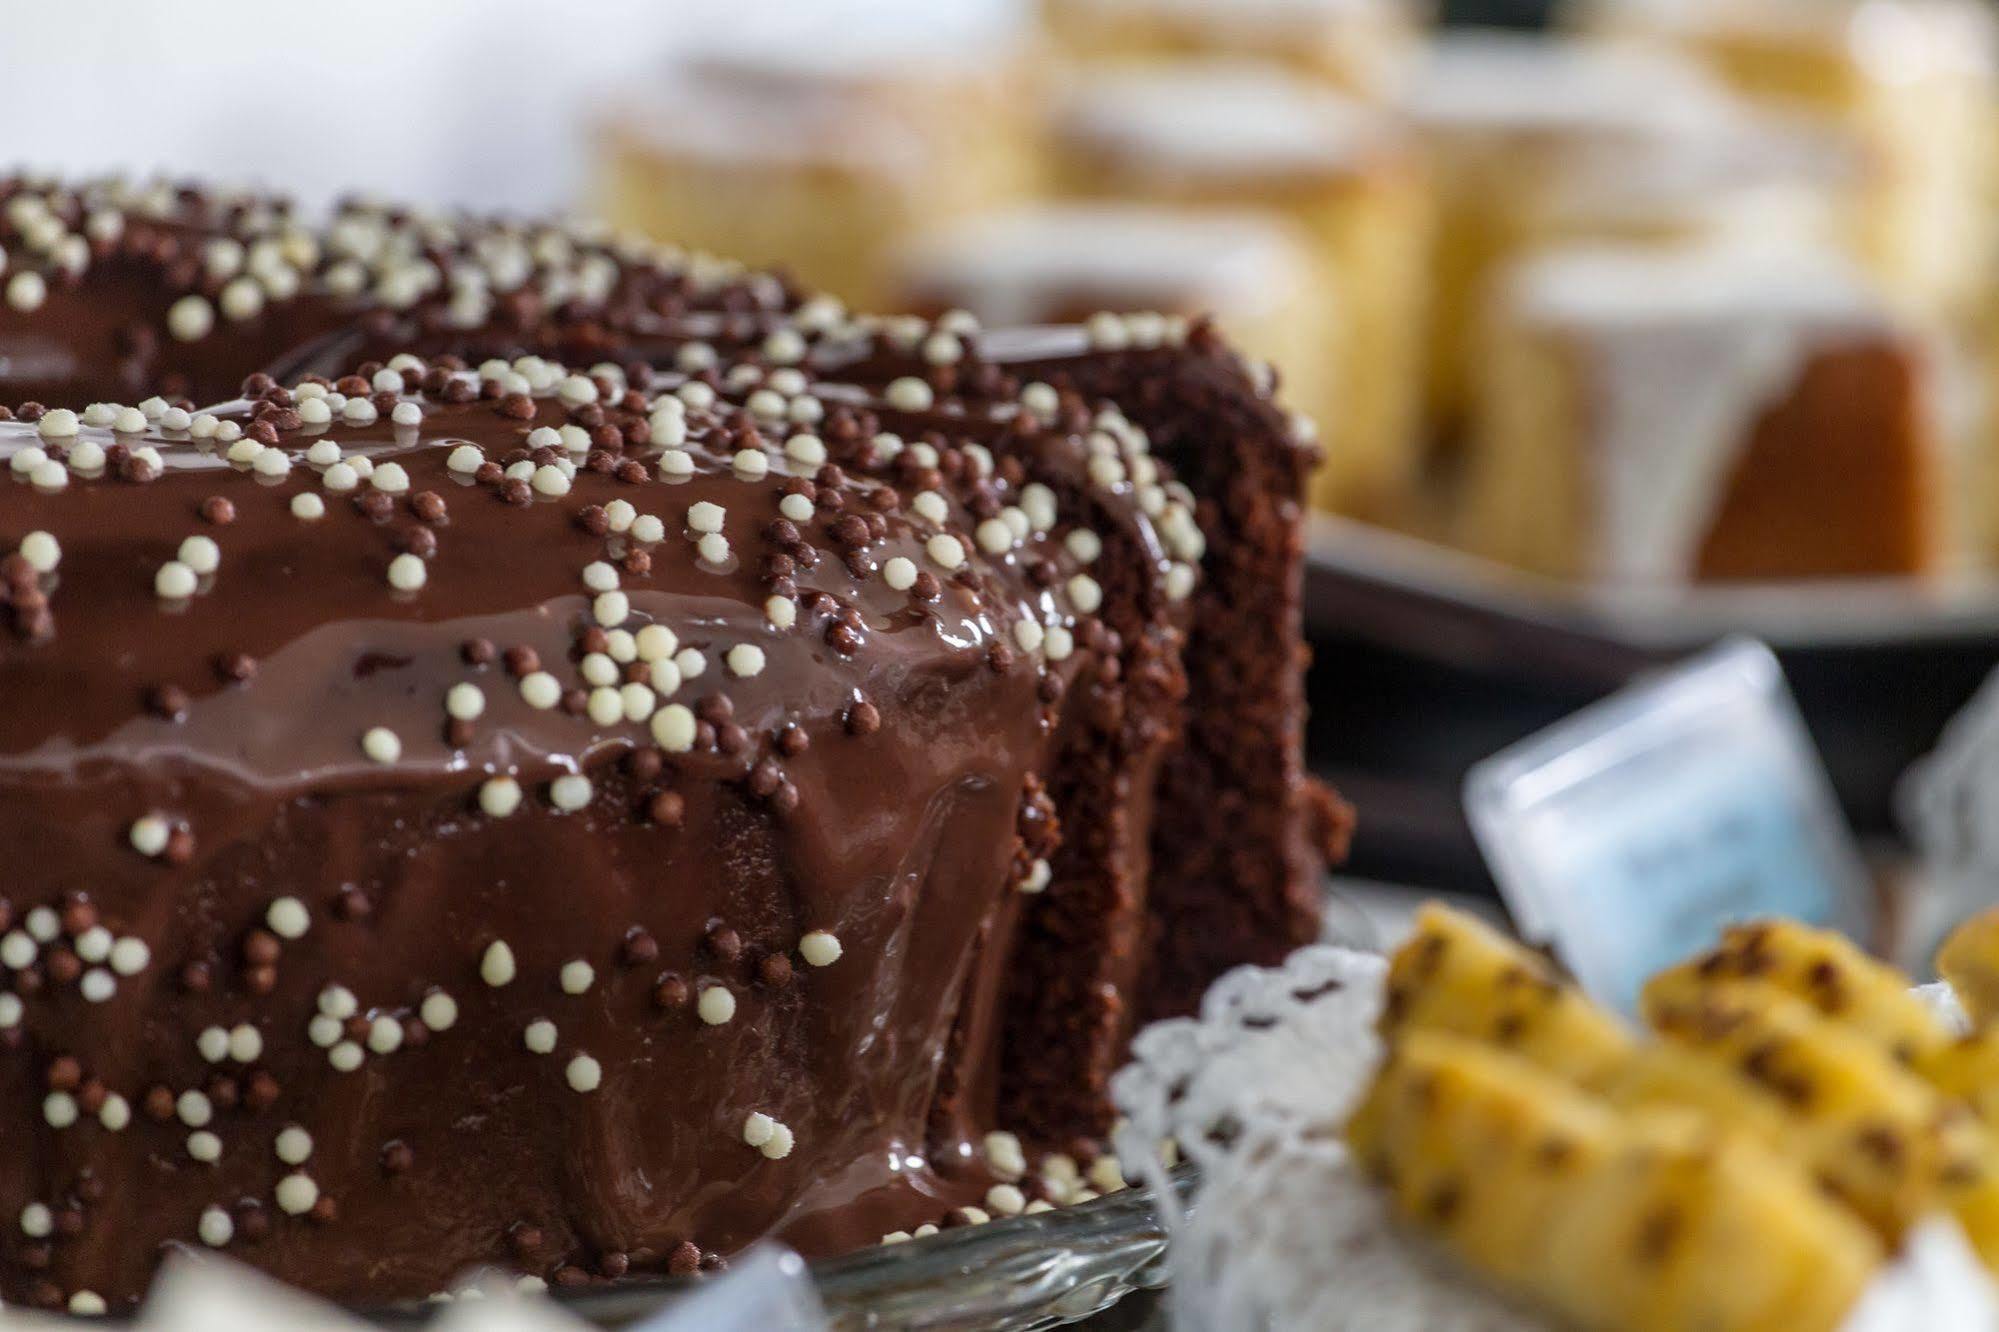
(1629, 834)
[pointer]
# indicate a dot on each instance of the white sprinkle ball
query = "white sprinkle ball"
(539, 1037)
(190, 318)
(288, 918)
(215, 1228)
(717, 1005)
(584, 1074)
(496, 967)
(751, 464)
(385, 1035)
(296, 1194)
(129, 956)
(1005, 1154)
(611, 609)
(390, 478)
(40, 551)
(899, 573)
(540, 690)
(439, 1011)
(819, 948)
(673, 728)
(465, 458)
(1006, 1200)
(604, 706)
(307, 506)
(293, 1145)
(407, 573)
(381, 744)
(465, 701)
(569, 792)
(945, 551)
(175, 581)
(909, 394)
(713, 548)
(796, 507)
(703, 516)
(994, 536)
(94, 944)
(655, 643)
(745, 659)
(201, 554)
(18, 950)
(648, 529)
(499, 796)
(341, 477)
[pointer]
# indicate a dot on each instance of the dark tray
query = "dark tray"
(1427, 660)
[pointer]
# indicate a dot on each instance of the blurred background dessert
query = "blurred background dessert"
(1907, 84)
(1714, 411)
(1200, 135)
(818, 150)
(1359, 45)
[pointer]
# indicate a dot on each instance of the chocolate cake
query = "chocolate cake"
(497, 812)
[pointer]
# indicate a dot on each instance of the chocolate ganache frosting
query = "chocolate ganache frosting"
(493, 814)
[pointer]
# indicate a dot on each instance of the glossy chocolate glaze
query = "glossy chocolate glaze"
(1074, 712)
(902, 842)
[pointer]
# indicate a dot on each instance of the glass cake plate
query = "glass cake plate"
(1051, 1269)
